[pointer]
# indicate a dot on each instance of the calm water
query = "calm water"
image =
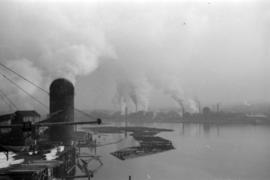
(203, 152)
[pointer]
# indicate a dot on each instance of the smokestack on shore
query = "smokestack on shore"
(182, 107)
(62, 103)
(218, 106)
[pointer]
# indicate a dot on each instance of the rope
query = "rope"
(15, 84)
(31, 82)
(37, 86)
(7, 100)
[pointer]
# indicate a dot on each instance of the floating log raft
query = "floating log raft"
(149, 143)
(148, 146)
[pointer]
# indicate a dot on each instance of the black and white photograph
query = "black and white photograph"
(134, 90)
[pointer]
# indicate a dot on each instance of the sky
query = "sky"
(142, 54)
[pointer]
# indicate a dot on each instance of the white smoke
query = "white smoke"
(52, 38)
(122, 96)
(134, 91)
(140, 93)
(171, 86)
(134, 98)
(246, 103)
(70, 62)
(25, 68)
(15, 94)
(43, 41)
(193, 106)
(189, 40)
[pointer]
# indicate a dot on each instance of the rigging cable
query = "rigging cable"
(15, 84)
(40, 88)
(7, 100)
(23, 78)
(84, 113)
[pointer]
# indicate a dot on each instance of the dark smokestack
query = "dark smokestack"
(199, 104)
(62, 100)
(183, 107)
(217, 107)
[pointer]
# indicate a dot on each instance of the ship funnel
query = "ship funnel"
(62, 99)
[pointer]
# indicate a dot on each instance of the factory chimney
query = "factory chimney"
(218, 107)
(183, 108)
(199, 106)
(62, 102)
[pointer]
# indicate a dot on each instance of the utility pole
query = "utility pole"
(126, 112)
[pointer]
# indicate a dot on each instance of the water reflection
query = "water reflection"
(203, 151)
(198, 129)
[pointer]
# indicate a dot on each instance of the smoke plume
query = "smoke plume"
(122, 96)
(44, 41)
(193, 106)
(133, 91)
(162, 52)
